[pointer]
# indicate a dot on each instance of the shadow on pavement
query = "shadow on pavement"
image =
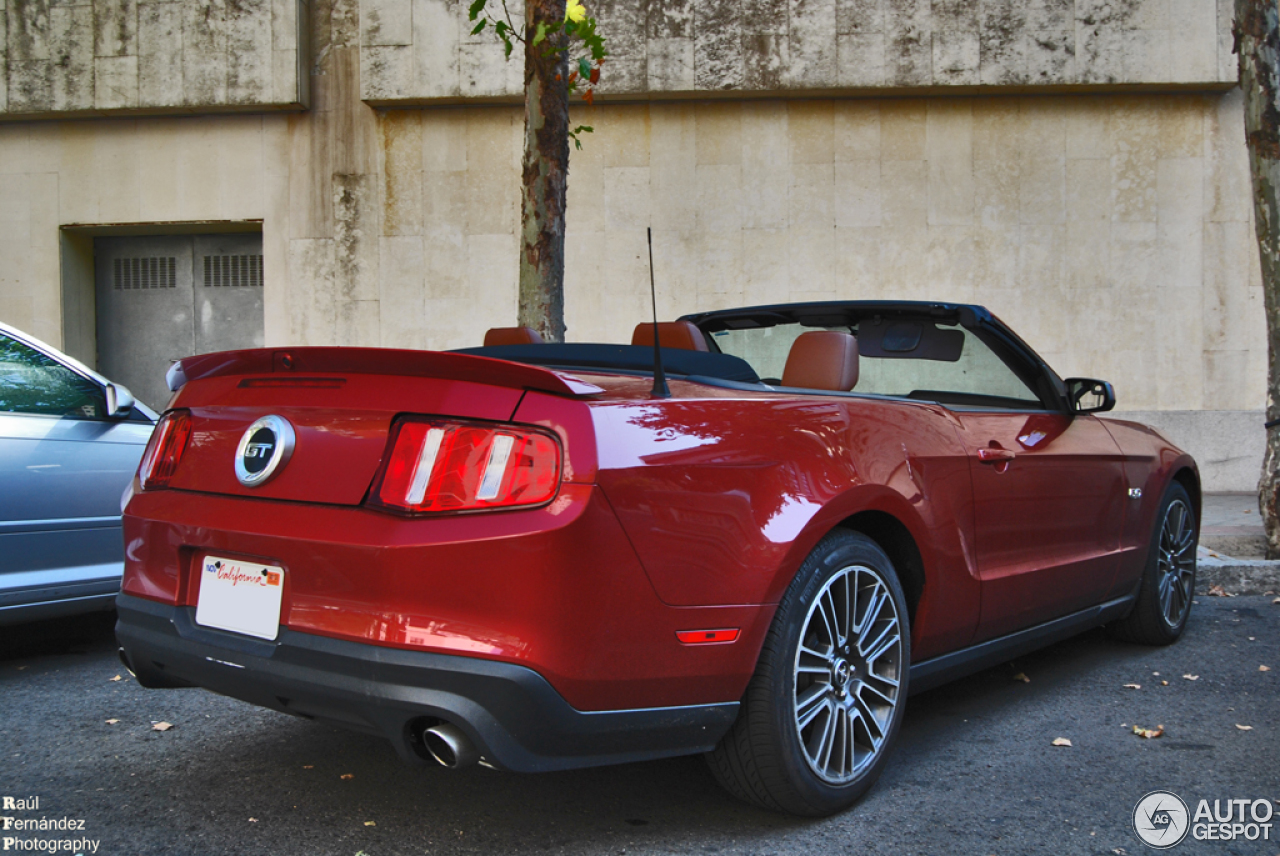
(77, 634)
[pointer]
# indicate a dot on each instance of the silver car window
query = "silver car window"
(35, 383)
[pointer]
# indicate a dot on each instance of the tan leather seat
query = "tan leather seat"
(511, 336)
(822, 359)
(672, 334)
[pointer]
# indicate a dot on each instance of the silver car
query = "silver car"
(70, 442)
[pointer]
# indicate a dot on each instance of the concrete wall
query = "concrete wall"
(422, 50)
(1111, 229)
(93, 57)
(1113, 232)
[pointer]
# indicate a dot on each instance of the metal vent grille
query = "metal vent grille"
(233, 271)
(157, 272)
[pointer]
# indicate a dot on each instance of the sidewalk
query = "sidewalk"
(1232, 546)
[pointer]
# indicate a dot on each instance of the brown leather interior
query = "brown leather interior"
(511, 336)
(822, 359)
(672, 334)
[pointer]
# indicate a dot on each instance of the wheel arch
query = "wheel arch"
(1190, 479)
(893, 536)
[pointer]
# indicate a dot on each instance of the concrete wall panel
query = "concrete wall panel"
(778, 46)
(96, 57)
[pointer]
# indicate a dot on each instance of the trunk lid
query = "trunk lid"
(340, 403)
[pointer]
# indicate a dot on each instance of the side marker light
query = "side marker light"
(706, 637)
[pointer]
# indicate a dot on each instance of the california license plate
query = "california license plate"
(242, 597)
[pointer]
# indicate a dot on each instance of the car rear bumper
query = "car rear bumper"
(515, 718)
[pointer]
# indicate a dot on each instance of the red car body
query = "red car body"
(624, 618)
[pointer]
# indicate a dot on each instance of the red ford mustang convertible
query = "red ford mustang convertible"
(535, 557)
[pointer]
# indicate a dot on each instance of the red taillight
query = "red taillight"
(441, 466)
(164, 451)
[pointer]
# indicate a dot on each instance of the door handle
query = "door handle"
(994, 456)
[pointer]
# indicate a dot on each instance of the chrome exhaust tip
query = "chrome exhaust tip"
(450, 746)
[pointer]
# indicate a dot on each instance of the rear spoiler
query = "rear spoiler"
(382, 361)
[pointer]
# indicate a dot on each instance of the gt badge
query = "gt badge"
(264, 448)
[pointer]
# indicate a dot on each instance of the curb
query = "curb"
(1236, 576)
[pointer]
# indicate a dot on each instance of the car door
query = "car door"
(1048, 485)
(1048, 492)
(63, 466)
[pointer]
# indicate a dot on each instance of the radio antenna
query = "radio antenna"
(660, 388)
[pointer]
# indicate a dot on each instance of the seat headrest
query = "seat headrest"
(511, 336)
(671, 334)
(822, 359)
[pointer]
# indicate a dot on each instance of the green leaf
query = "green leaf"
(541, 35)
(584, 68)
(480, 26)
(477, 6)
(583, 129)
(501, 28)
(506, 46)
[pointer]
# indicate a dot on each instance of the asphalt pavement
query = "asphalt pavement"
(975, 771)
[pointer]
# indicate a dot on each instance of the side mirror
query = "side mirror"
(119, 401)
(1088, 395)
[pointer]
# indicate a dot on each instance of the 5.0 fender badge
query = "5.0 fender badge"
(264, 448)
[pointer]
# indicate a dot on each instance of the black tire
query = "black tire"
(771, 756)
(1169, 579)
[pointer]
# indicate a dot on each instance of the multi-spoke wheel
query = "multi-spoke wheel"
(846, 673)
(1164, 595)
(1176, 562)
(823, 709)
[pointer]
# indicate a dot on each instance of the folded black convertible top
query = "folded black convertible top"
(626, 358)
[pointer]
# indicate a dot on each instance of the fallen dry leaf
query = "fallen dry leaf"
(1133, 686)
(1164, 683)
(308, 766)
(1216, 591)
(1264, 668)
(370, 823)
(1021, 676)
(112, 721)
(116, 678)
(1277, 600)
(1192, 677)
(1148, 733)
(20, 668)
(346, 776)
(1244, 727)
(161, 726)
(253, 820)
(1061, 741)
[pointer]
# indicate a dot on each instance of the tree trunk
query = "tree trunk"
(1257, 32)
(546, 169)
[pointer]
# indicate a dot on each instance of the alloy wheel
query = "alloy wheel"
(1176, 562)
(847, 674)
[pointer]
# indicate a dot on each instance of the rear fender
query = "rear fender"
(947, 613)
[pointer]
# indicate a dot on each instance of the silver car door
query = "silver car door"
(63, 468)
